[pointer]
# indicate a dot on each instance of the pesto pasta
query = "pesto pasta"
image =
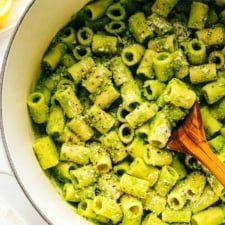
(114, 83)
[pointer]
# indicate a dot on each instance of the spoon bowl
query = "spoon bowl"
(190, 138)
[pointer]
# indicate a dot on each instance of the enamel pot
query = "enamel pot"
(21, 68)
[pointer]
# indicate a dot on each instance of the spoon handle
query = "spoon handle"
(204, 154)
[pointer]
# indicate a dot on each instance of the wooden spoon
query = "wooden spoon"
(190, 138)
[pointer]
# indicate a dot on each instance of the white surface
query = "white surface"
(8, 214)
(15, 209)
(3, 44)
(17, 8)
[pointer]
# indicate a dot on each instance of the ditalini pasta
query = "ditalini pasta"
(114, 83)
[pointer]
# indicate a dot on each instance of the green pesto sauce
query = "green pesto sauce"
(164, 27)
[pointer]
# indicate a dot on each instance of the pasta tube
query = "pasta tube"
(46, 152)
(132, 210)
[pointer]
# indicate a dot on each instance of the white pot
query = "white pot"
(21, 67)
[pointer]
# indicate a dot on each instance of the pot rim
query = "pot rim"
(6, 149)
